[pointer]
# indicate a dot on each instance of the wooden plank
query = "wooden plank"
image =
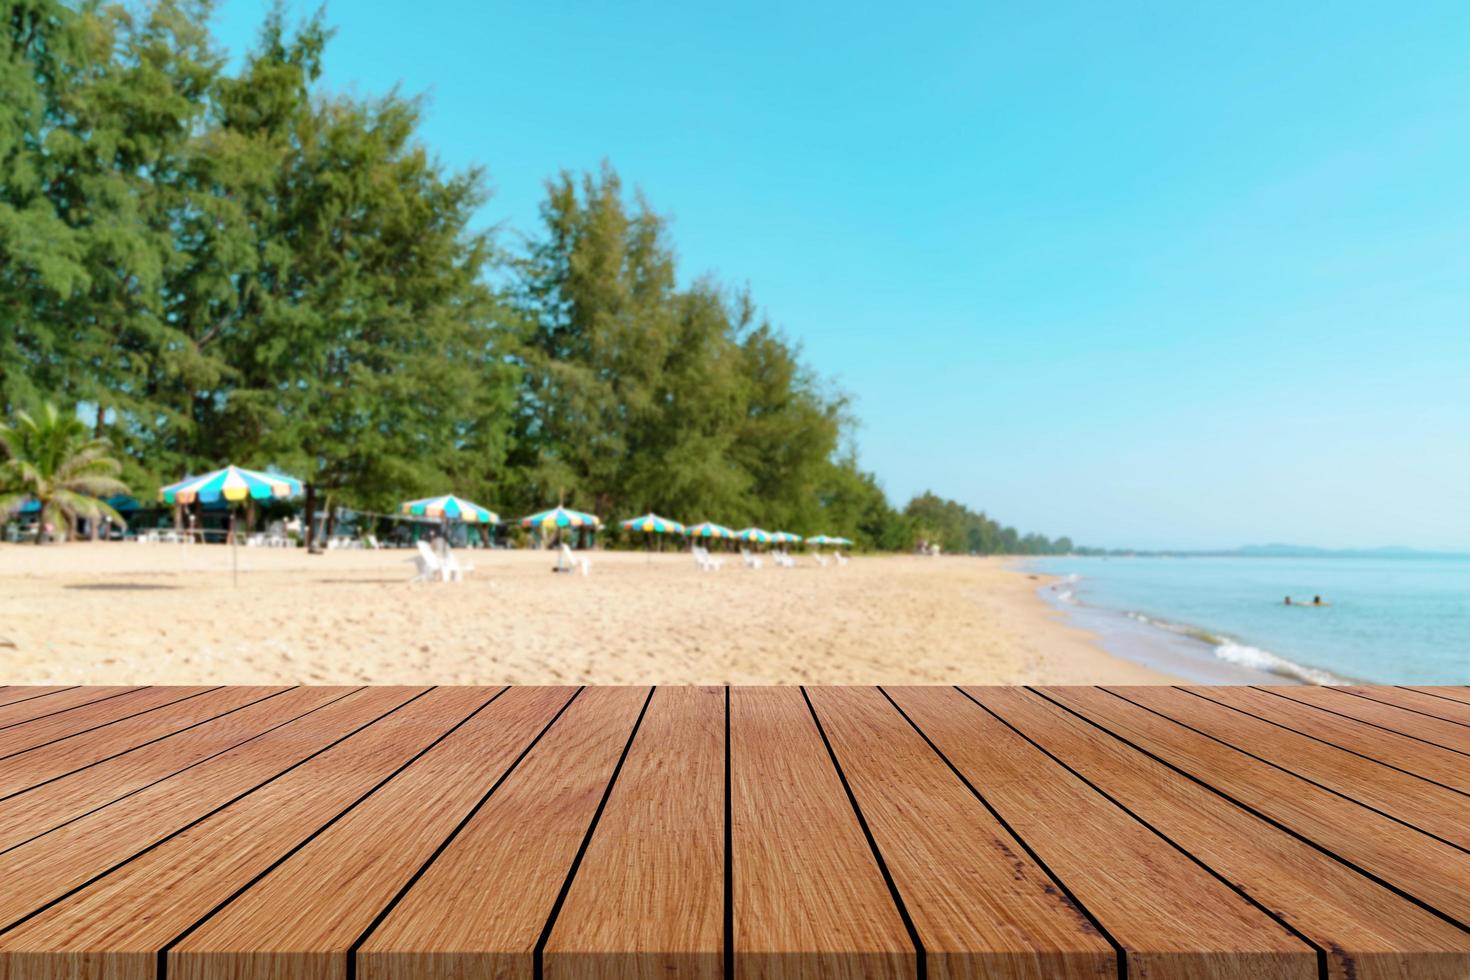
(53, 704)
(1415, 801)
(1458, 693)
(1123, 872)
(45, 868)
(37, 809)
(280, 929)
(1444, 766)
(808, 897)
(1418, 865)
(1366, 930)
(26, 769)
(90, 718)
(1445, 734)
(478, 910)
(14, 695)
(648, 898)
(99, 929)
(1449, 709)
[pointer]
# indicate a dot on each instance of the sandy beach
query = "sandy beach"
(168, 614)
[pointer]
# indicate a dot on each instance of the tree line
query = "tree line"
(220, 265)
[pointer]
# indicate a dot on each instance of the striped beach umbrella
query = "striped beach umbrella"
(651, 523)
(754, 534)
(821, 539)
(233, 484)
(785, 537)
(450, 507)
(709, 529)
(560, 517)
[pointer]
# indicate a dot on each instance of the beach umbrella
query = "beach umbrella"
(785, 537)
(560, 517)
(233, 484)
(651, 523)
(450, 508)
(821, 539)
(709, 529)
(754, 535)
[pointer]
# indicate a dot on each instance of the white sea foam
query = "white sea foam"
(1257, 659)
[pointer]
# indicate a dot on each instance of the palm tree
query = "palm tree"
(54, 461)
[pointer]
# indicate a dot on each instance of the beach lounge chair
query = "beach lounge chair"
(430, 569)
(819, 559)
(706, 561)
(841, 558)
(570, 562)
(751, 561)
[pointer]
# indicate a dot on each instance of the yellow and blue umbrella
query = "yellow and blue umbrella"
(754, 534)
(231, 483)
(559, 517)
(821, 539)
(651, 523)
(785, 537)
(451, 508)
(708, 529)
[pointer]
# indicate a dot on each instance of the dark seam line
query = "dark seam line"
(171, 775)
(1391, 704)
(1332, 745)
(444, 845)
(162, 972)
(729, 955)
(921, 956)
(1395, 889)
(1278, 919)
(35, 696)
(193, 823)
(136, 714)
(1362, 721)
(538, 955)
(151, 741)
(1430, 694)
(1297, 775)
(62, 711)
(1119, 951)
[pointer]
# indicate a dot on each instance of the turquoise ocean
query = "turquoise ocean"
(1399, 620)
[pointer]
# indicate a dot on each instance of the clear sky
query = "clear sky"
(1147, 274)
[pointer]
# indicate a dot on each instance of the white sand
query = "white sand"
(168, 614)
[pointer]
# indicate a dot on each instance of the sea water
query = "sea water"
(1400, 620)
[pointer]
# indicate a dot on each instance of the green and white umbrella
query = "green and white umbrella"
(755, 535)
(450, 507)
(709, 529)
(233, 483)
(651, 523)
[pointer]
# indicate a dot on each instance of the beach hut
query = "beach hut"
(651, 524)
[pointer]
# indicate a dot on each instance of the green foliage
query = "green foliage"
(239, 266)
(52, 460)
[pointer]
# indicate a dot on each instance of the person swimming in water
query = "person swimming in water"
(1317, 601)
(1288, 600)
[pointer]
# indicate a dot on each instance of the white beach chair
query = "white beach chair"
(817, 557)
(751, 561)
(574, 563)
(841, 558)
(430, 569)
(452, 569)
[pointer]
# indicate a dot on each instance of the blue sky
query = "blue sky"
(1148, 274)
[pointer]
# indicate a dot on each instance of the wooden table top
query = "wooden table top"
(479, 833)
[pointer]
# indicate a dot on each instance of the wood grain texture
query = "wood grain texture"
(1120, 870)
(1458, 693)
(20, 712)
(33, 809)
(1411, 799)
(45, 868)
(1420, 866)
(89, 719)
(477, 913)
(1437, 731)
(1449, 709)
(281, 930)
(1443, 766)
(809, 897)
(12, 695)
(1365, 930)
(648, 898)
(191, 873)
(46, 762)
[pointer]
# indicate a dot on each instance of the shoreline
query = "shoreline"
(115, 613)
(1186, 651)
